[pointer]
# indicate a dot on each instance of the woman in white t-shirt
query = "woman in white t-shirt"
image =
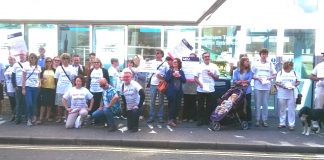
(31, 86)
(264, 72)
(287, 82)
(64, 75)
(78, 96)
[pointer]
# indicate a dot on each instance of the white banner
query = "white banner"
(17, 44)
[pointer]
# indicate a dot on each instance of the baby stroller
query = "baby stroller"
(229, 109)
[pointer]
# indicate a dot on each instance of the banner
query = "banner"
(17, 44)
(189, 64)
(183, 48)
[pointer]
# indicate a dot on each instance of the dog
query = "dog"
(311, 119)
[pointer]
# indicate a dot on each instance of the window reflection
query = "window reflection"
(74, 39)
(109, 42)
(143, 40)
(5, 30)
(42, 35)
(221, 42)
(261, 38)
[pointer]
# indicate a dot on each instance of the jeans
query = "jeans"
(174, 105)
(20, 104)
(153, 93)
(261, 99)
(105, 112)
(31, 101)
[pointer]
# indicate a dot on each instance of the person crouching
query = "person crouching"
(78, 108)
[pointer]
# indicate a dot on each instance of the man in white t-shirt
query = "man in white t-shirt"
(205, 77)
(317, 75)
(16, 81)
(133, 97)
(155, 79)
(264, 72)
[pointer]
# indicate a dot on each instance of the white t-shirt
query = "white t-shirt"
(131, 93)
(18, 70)
(32, 75)
(8, 76)
(114, 78)
(95, 75)
(161, 71)
(63, 82)
(207, 81)
(78, 97)
(286, 79)
(263, 70)
(319, 72)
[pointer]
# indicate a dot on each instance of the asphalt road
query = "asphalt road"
(32, 152)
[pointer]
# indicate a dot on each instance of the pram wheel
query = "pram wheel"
(215, 126)
(244, 125)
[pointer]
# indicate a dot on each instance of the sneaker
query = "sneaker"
(171, 123)
(291, 128)
(150, 121)
(123, 118)
(281, 126)
(39, 122)
(265, 124)
(29, 123)
(257, 124)
(59, 120)
(161, 121)
(141, 117)
(184, 120)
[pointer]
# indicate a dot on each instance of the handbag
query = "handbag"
(299, 97)
(163, 86)
(273, 89)
(149, 80)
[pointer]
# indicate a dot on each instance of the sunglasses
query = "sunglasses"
(48, 61)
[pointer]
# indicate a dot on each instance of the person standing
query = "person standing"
(9, 88)
(41, 57)
(242, 76)
(77, 66)
(156, 77)
(2, 80)
(47, 92)
(30, 87)
(93, 84)
(17, 83)
(78, 96)
(175, 78)
(317, 75)
(205, 77)
(64, 76)
(189, 112)
(109, 105)
(263, 73)
(287, 81)
(133, 98)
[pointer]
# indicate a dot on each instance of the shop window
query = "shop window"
(42, 35)
(109, 42)
(74, 39)
(143, 40)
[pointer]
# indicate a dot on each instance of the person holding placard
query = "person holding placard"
(205, 77)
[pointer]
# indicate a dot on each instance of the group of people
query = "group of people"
(35, 84)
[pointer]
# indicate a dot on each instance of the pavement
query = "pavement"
(184, 136)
